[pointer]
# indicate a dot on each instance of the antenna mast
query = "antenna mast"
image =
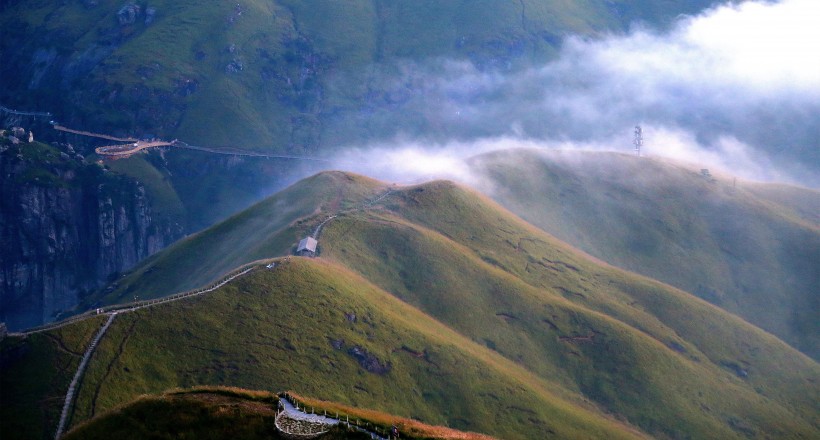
(638, 142)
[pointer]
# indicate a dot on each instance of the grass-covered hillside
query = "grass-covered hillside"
(321, 330)
(269, 228)
(66, 226)
(221, 413)
(281, 75)
(750, 248)
(435, 303)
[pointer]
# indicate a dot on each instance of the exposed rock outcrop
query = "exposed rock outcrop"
(65, 228)
(128, 14)
(150, 14)
(369, 361)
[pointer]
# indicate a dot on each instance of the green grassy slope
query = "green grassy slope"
(34, 375)
(299, 77)
(163, 196)
(280, 329)
(752, 249)
(269, 228)
(214, 414)
(622, 341)
(265, 73)
(223, 412)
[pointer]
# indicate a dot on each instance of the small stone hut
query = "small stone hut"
(307, 247)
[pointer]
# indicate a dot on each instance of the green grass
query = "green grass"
(164, 199)
(487, 324)
(751, 249)
(287, 96)
(229, 412)
(278, 336)
(39, 164)
(466, 273)
(268, 229)
(184, 416)
(34, 375)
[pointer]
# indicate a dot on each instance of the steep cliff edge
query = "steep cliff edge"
(66, 226)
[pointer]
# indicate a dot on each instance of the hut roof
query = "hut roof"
(307, 244)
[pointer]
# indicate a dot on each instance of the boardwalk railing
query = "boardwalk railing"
(24, 113)
(313, 423)
(96, 135)
(126, 150)
(248, 153)
(176, 143)
(177, 296)
(241, 270)
(69, 396)
(112, 313)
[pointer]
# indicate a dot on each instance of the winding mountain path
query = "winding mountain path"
(363, 206)
(130, 307)
(91, 134)
(69, 397)
(24, 113)
(129, 149)
(319, 227)
(313, 422)
(135, 145)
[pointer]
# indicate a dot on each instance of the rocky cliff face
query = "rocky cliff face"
(66, 226)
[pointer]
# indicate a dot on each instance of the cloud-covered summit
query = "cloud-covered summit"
(737, 87)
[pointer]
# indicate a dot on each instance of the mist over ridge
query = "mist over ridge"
(734, 88)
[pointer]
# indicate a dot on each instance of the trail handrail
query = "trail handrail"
(227, 150)
(24, 113)
(96, 135)
(288, 400)
(69, 397)
(239, 271)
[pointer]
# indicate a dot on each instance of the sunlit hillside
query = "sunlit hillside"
(750, 248)
(435, 303)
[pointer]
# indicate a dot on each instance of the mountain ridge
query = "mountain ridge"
(589, 342)
(250, 414)
(750, 248)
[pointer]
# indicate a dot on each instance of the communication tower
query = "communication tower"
(638, 142)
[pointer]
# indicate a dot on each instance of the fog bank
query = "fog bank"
(736, 87)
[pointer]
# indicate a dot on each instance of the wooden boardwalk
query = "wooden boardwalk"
(96, 135)
(125, 150)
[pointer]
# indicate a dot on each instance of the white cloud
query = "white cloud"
(735, 87)
(762, 44)
(764, 48)
(408, 162)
